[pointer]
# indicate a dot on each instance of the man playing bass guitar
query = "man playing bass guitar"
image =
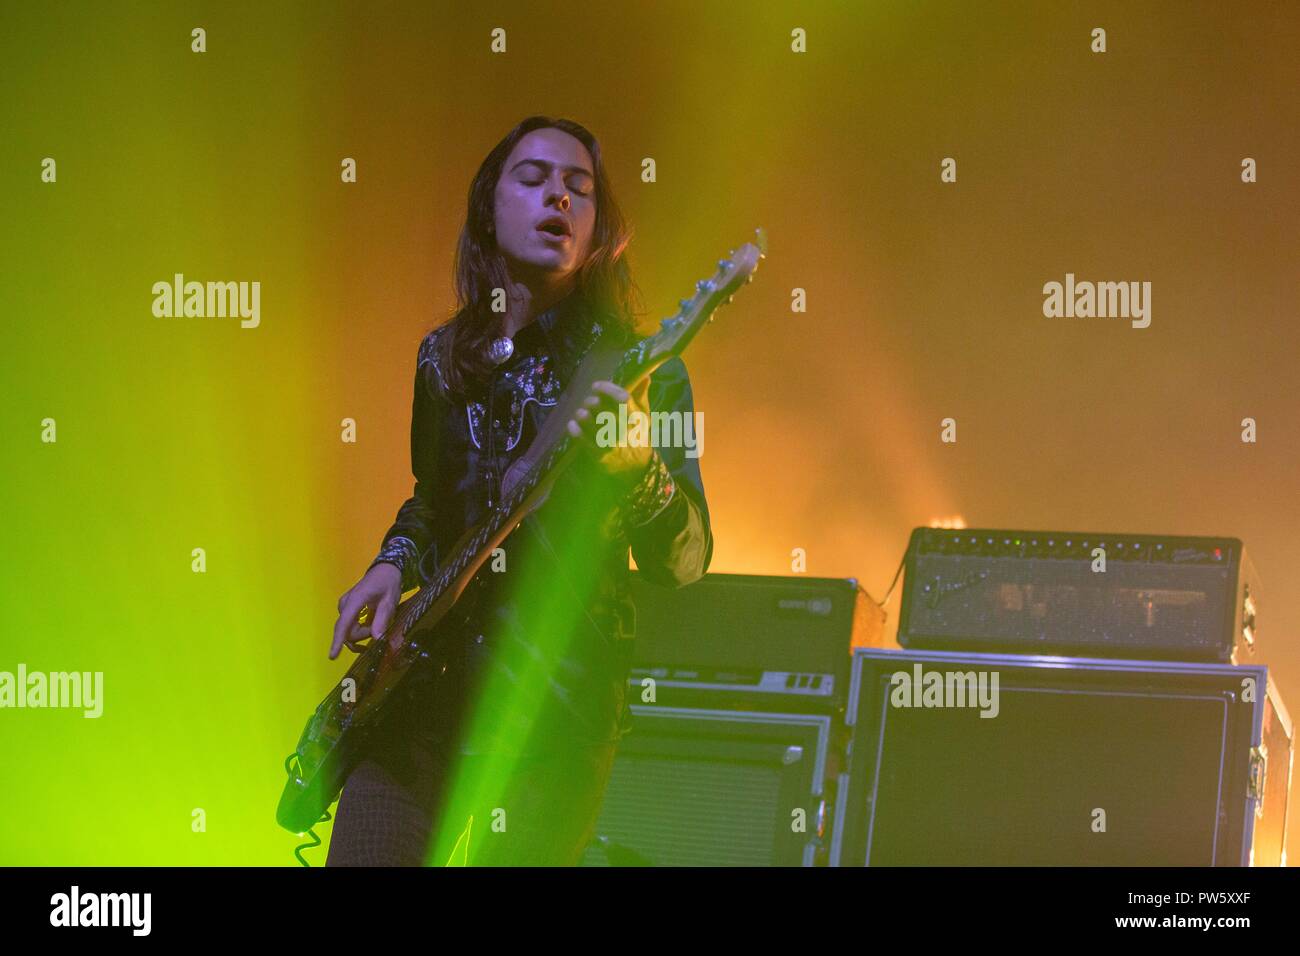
(500, 755)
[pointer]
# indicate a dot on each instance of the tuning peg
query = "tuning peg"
(704, 285)
(724, 264)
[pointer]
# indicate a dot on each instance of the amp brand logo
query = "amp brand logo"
(102, 909)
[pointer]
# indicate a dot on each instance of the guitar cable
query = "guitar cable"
(314, 842)
(885, 600)
(311, 831)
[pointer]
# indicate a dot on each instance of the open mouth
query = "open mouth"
(554, 229)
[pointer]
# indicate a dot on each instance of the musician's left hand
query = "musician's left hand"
(627, 460)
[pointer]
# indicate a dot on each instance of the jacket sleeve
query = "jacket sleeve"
(666, 517)
(414, 532)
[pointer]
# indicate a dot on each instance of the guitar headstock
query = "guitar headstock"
(678, 329)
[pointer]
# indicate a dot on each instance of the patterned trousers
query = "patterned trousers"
(416, 801)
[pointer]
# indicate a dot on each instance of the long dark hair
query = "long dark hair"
(603, 283)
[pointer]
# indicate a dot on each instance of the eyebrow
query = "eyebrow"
(547, 165)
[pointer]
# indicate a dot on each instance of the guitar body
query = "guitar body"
(335, 737)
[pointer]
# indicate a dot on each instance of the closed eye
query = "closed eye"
(538, 182)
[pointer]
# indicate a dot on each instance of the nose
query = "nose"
(558, 192)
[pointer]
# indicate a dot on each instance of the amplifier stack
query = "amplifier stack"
(1054, 698)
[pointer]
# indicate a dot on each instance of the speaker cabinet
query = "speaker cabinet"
(696, 787)
(1080, 762)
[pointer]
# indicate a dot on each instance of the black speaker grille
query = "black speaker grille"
(1023, 789)
(690, 812)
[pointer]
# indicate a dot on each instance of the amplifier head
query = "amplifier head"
(1113, 595)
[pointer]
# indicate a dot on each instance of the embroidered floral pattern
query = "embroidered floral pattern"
(532, 380)
(651, 494)
(428, 354)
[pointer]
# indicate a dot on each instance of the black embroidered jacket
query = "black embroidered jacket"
(545, 659)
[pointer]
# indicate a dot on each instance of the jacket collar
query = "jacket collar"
(572, 318)
(567, 329)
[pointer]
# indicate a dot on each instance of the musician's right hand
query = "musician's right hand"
(378, 593)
